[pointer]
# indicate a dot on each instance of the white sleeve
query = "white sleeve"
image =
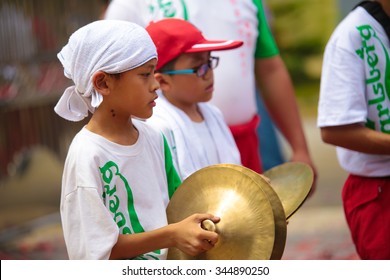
(89, 230)
(342, 91)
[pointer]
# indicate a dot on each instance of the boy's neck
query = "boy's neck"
(190, 109)
(119, 132)
(195, 115)
(385, 5)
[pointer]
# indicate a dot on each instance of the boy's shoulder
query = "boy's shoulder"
(145, 128)
(357, 17)
(208, 107)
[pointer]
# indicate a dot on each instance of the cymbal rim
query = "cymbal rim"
(292, 182)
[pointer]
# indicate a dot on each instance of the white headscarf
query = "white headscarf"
(112, 46)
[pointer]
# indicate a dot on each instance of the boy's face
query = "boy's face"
(189, 88)
(134, 92)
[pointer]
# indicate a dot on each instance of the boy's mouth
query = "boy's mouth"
(210, 88)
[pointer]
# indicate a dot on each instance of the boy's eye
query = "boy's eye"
(148, 74)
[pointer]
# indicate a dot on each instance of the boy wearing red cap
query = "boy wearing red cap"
(196, 131)
(256, 63)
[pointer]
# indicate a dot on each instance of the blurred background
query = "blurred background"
(34, 140)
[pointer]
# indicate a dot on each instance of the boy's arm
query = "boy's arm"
(358, 138)
(187, 235)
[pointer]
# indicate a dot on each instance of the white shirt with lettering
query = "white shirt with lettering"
(110, 189)
(355, 89)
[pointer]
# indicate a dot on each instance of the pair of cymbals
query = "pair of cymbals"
(246, 229)
(253, 219)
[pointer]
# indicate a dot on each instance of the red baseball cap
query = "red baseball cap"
(173, 37)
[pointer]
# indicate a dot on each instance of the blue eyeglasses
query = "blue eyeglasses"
(200, 71)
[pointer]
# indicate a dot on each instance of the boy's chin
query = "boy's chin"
(207, 98)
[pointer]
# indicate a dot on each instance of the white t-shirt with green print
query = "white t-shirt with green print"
(235, 89)
(355, 86)
(109, 189)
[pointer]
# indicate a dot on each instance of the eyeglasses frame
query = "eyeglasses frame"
(195, 70)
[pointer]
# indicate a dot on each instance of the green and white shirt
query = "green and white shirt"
(355, 86)
(235, 89)
(109, 189)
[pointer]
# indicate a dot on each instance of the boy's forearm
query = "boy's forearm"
(358, 138)
(132, 245)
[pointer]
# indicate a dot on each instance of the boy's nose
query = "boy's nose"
(209, 74)
(156, 85)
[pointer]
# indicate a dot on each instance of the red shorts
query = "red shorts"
(247, 142)
(367, 210)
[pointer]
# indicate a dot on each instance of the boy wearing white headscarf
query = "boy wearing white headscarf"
(118, 175)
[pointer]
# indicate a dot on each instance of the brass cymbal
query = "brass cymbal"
(292, 182)
(246, 229)
(277, 208)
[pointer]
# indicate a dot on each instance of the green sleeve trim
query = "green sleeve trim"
(173, 178)
(265, 45)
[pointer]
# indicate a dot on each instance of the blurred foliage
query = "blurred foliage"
(302, 29)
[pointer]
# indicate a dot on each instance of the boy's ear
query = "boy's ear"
(100, 82)
(164, 80)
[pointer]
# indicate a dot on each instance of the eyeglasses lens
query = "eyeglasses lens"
(202, 70)
(211, 63)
